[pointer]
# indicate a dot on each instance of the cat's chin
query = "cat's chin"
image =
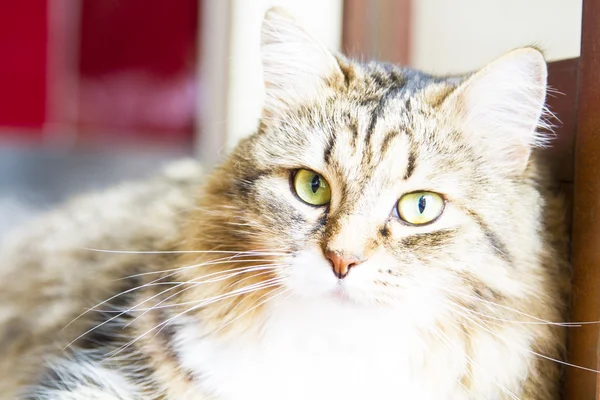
(343, 295)
(340, 294)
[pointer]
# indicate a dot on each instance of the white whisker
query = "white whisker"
(204, 303)
(253, 308)
(474, 364)
(241, 270)
(529, 350)
(195, 283)
(181, 252)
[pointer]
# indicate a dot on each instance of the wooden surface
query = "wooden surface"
(583, 342)
(563, 83)
(377, 30)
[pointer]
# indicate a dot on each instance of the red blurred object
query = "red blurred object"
(23, 41)
(108, 70)
(137, 69)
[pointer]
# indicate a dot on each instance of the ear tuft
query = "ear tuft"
(296, 66)
(500, 107)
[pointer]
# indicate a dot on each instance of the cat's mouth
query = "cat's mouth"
(340, 293)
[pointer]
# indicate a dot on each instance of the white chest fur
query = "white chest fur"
(324, 350)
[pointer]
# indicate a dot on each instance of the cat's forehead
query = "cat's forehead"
(383, 148)
(376, 80)
(377, 131)
(381, 124)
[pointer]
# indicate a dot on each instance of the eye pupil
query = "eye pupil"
(315, 184)
(419, 208)
(311, 187)
(422, 204)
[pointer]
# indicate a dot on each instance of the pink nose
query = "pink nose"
(341, 263)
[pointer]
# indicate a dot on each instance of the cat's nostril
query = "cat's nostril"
(341, 263)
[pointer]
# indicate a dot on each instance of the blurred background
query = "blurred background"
(94, 92)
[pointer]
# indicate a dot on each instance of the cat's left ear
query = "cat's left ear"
(296, 66)
(500, 107)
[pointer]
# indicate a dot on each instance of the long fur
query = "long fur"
(218, 286)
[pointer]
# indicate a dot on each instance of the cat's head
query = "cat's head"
(381, 185)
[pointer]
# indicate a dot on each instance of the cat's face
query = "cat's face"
(396, 199)
(385, 186)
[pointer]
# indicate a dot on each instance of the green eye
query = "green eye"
(311, 187)
(420, 208)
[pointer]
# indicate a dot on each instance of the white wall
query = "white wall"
(323, 18)
(232, 71)
(450, 36)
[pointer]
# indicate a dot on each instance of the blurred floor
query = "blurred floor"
(33, 179)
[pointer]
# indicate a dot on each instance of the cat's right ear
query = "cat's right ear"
(296, 66)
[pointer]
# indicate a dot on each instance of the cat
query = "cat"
(385, 234)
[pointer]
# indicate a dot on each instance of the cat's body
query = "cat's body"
(49, 275)
(255, 291)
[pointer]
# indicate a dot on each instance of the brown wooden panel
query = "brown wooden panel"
(377, 29)
(355, 28)
(562, 101)
(584, 341)
(563, 80)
